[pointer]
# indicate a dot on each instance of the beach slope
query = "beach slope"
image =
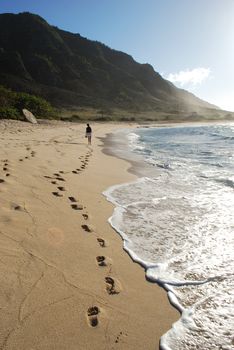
(66, 282)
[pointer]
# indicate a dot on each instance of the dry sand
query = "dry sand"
(56, 292)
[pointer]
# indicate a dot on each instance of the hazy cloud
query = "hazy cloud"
(194, 76)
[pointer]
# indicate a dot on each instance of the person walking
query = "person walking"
(88, 134)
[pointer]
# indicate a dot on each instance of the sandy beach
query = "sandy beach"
(66, 282)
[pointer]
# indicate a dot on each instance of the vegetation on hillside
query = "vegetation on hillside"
(71, 71)
(85, 79)
(12, 103)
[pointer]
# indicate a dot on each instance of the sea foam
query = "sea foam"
(178, 224)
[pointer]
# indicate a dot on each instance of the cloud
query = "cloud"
(193, 76)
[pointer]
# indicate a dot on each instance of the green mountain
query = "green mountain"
(71, 71)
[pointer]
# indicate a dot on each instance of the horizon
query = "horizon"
(193, 52)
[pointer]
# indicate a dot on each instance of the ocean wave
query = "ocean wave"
(178, 225)
(226, 182)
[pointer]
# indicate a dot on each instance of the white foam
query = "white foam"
(179, 227)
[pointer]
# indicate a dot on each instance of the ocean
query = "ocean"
(177, 221)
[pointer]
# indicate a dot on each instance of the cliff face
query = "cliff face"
(70, 70)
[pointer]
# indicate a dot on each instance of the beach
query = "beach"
(66, 282)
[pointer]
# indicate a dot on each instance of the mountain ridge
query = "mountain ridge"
(72, 71)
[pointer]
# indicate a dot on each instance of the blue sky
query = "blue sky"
(190, 42)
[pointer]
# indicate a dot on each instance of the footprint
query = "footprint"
(57, 194)
(118, 338)
(86, 228)
(101, 242)
(101, 260)
(77, 206)
(21, 160)
(60, 188)
(54, 182)
(56, 174)
(74, 172)
(61, 172)
(7, 174)
(47, 177)
(110, 286)
(85, 216)
(72, 199)
(1, 181)
(16, 206)
(60, 179)
(92, 313)
(5, 169)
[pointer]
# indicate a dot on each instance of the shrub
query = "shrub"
(9, 113)
(102, 119)
(36, 105)
(6, 97)
(12, 103)
(75, 117)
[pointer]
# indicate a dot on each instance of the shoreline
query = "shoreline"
(63, 297)
(193, 294)
(119, 139)
(123, 152)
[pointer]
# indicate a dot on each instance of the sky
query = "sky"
(189, 42)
